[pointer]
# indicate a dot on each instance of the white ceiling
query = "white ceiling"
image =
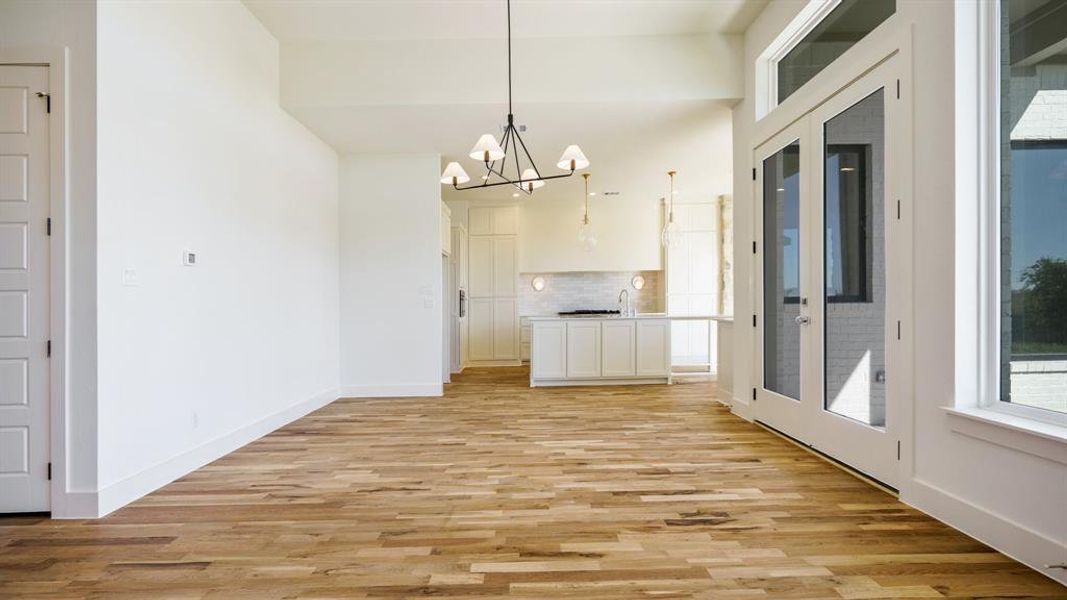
(341, 20)
(641, 86)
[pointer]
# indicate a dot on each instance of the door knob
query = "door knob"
(802, 320)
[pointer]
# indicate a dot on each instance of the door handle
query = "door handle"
(802, 320)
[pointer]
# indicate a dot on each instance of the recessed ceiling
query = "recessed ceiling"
(340, 20)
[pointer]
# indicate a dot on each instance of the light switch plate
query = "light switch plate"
(189, 258)
(130, 277)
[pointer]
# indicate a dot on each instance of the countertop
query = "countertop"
(599, 317)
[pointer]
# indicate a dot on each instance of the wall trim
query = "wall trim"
(124, 492)
(742, 409)
(392, 390)
(1017, 541)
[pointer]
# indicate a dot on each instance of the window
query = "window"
(1033, 204)
(835, 33)
(848, 204)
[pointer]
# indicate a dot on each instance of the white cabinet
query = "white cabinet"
(493, 220)
(583, 349)
(505, 220)
(492, 275)
(600, 351)
(653, 346)
(505, 266)
(480, 325)
(480, 263)
(617, 348)
(549, 342)
(480, 220)
(505, 329)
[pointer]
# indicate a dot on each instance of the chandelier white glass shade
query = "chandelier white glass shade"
(527, 177)
(454, 174)
(669, 237)
(487, 149)
(586, 235)
(530, 181)
(573, 158)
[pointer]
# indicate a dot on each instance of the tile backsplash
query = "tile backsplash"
(588, 290)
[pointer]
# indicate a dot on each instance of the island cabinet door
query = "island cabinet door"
(583, 349)
(548, 350)
(653, 348)
(617, 349)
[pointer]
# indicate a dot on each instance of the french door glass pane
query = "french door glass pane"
(781, 271)
(854, 261)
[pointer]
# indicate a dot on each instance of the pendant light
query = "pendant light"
(670, 236)
(586, 236)
(487, 150)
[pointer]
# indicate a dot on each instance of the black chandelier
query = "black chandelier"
(490, 152)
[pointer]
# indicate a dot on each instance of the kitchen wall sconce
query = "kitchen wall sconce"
(538, 283)
(638, 282)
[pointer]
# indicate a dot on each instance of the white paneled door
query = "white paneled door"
(24, 290)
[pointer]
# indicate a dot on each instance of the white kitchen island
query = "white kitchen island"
(610, 350)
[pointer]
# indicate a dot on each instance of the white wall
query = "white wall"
(195, 153)
(573, 70)
(1008, 499)
(71, 24)
(627, 230)
(391, 322)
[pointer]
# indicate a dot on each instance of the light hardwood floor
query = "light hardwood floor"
(498, 490)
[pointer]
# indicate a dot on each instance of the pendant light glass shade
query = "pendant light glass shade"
(573, 158)
(454, 174)
(586, 235)
(530, 182)
(487, 149)
(670, 235)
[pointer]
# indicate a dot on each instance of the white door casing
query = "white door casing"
(24, 289)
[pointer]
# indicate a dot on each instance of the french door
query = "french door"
(830, 289)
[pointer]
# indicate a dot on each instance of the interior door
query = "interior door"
(783, 272)
(852, 320)
(24, 290)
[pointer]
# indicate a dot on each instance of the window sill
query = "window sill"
(1019, 433)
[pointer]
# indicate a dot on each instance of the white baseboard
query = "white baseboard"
(741, 408)
(75, 505)
(121, 493)
(395, 390)
(1024, 545)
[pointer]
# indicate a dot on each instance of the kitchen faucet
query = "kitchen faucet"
(625, 310)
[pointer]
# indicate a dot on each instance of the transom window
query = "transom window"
(840, 29)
